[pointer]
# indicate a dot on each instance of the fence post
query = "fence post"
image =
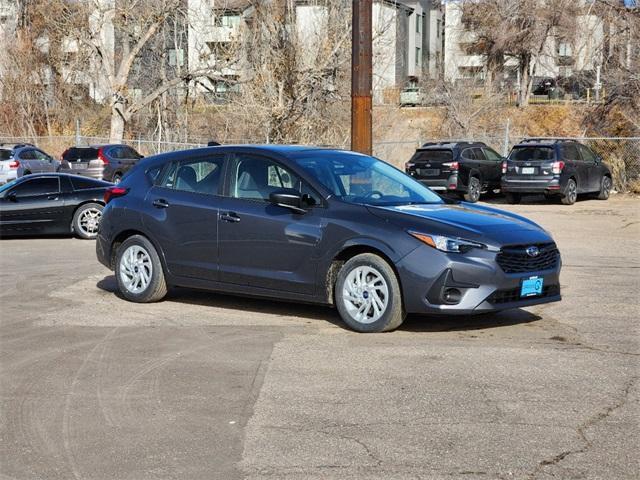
(77, 132)
(505, 147)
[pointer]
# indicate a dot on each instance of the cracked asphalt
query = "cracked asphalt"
(212, 386)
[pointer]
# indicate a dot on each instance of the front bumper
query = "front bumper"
(483, 285)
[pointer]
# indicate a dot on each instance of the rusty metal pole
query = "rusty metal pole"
(361, 73)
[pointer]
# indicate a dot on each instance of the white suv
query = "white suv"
(18, 159)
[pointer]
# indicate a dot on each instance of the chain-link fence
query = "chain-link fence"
(621, 154)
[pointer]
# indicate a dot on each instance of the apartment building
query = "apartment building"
(560, 57)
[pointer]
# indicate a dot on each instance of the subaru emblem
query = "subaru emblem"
(533, 251)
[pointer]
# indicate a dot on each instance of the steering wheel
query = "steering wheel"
(372, 193)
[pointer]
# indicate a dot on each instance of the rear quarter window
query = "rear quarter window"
(526, 154)
(80, 183)
(6, 154)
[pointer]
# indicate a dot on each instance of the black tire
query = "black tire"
(474, 189)
(512, 198)
(117, 178)
(156, 286)
(391, 316)
(605, 188)
(86, 220)
(570, 194)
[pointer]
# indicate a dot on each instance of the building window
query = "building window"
(418, 57)
(438, 27)
(564, 49)
(176, 57)
(226, 20)
(418, 22)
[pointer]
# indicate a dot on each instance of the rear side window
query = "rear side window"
(27, 155)
(80, 183)
(587, 155)
(433, 156)
(6, 154)
(527, 154)
(570, 152)
(202, 175)
(37, 186)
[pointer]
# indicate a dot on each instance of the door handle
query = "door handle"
(230, 217)
(160, 203)
(52, 197)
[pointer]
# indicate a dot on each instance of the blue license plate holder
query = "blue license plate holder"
(531, 287)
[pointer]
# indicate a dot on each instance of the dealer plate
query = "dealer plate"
(531, 287)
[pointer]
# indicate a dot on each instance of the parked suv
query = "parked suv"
(556, 167)
(466, 168)
(18, 159)
(103, 162)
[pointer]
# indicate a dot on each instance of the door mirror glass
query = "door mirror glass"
(11, 196)
(288, 198)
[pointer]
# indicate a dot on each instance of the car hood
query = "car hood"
(473, 222)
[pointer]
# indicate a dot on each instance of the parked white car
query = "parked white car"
(18, 159)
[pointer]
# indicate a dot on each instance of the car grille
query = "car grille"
(513, 294)
(516, 260)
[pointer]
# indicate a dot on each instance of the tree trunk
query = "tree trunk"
(524, 89)
(117, 123)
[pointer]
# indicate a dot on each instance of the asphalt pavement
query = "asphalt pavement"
(204, 385)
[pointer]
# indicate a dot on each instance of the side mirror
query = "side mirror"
(288, 198)
(12, 197)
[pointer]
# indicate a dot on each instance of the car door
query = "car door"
(35, 205)
(494, 166)
(262, 244)
(590, 164)
(574, 165)
(42, 162)
(182, 215)
(25, 158)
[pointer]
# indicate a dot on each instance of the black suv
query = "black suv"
(466, 168)
(102, 162)
(556, 167)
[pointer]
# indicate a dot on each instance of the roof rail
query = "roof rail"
(446, 141)
(547, 139)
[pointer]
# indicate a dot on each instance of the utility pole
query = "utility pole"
(361, 73)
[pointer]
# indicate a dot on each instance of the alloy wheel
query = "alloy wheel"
(572, 192)
(89, 221)
(135, 269)
(365, 294)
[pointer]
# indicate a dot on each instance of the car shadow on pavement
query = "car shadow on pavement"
(413, 323)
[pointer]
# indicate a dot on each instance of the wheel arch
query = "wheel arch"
(123, 235)
(343, 255)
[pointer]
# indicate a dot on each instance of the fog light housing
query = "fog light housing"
(451, 296)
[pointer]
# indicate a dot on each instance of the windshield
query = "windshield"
(531, 153)
(7, 186)
(357, 178)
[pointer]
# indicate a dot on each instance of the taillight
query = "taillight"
(101, 156)
(14, 164)
(114, 192)
(408, 165)
(452, 165)
(557, 167)
(63, 154)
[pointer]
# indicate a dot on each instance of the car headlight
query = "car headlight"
(447, 244)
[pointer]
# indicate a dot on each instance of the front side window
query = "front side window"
(587, 155)
(255, 178)
(38, 155)
(37, 186)
(365, 180)
(201, 175)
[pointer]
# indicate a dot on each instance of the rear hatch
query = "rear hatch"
(6, 158)
(81, 158)
(431, 164)
(528, 162)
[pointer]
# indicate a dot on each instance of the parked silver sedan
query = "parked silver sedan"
(18, 159)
